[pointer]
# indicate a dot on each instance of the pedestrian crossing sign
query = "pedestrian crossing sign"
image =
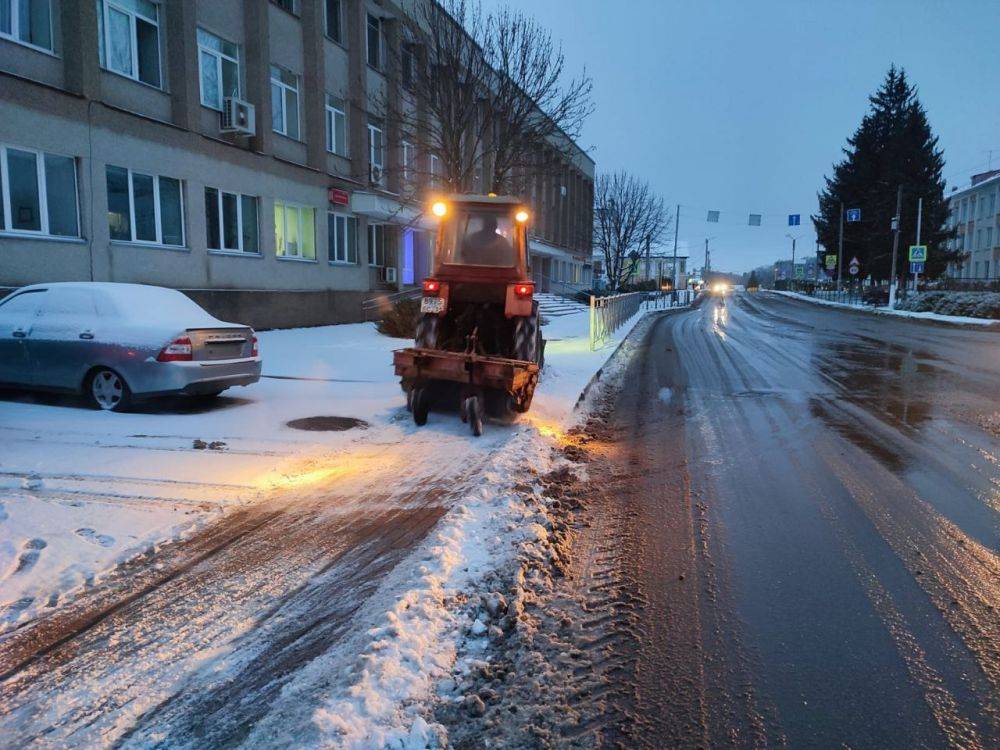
(918, 253)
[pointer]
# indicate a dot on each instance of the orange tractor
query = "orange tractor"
(479, 340)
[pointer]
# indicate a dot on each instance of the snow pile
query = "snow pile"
(394, 667)
(939, 317)
(967, 304)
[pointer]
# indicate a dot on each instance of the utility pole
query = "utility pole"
(840, 248)
(707, 266)
(920, 214)
(677, 225)
(895, 247)
(792, 280)
(648, 269)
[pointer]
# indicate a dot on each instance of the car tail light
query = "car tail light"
(178, 350)
(431, 287)
(524, 291)
(254, 352)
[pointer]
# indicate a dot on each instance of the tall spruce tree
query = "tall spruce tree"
(893, 146)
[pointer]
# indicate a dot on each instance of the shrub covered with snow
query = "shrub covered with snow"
(968, 304)
(400, 320)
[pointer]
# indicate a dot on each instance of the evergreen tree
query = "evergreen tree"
(893, 146)
(753, 282)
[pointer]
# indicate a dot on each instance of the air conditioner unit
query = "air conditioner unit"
(389, 275)
(237, 116)
(376, 174)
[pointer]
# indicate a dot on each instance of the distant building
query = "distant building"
(974, 214)
(660, 268)
(234, 149)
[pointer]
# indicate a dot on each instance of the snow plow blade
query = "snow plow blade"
(500, 373)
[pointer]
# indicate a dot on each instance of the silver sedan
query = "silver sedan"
(119, 342)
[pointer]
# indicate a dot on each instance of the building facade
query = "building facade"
(237, 150)
(974, 216)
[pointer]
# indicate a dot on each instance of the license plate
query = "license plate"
(431, 304)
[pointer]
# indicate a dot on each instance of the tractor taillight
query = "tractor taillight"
(178, 350)
(431, 287)
(524, 291)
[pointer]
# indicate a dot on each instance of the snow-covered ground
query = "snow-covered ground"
(82, 491)
(955, 319)
(434, 619)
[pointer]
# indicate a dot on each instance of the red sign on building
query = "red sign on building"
(338, 197)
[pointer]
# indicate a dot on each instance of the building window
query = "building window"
(406, 160)
(334, 20)
(376, 245)
(144, 208)
(129, 34)
(219, 69)
(38, 193)
(435, 166)
(376, 149)
(336, 126)
(231, 221)
(294, 231)
(408, 65)
(284, 102)
(343, 232)
(373, 38)
(27, 21)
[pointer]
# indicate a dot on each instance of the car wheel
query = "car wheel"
(108, 390)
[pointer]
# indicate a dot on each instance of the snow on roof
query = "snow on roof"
(144, 303)
(989, 181)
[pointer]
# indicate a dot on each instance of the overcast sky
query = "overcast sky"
(744, 106)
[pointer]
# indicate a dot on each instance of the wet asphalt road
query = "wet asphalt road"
(808, 500)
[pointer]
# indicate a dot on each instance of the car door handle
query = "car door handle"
(86, 335)
(19, 333)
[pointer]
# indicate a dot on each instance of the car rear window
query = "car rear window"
(158, 306)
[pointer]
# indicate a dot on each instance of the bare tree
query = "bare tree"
(531, 104)
(628, 219)
(444, 74)
(485, 95)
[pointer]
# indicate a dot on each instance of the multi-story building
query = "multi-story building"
(974, 216)
(235, 149)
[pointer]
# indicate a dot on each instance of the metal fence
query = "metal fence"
(844, 296)
(608, 314)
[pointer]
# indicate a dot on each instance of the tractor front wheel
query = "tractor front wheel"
(420, 405)
(472, 411)
(427, 331)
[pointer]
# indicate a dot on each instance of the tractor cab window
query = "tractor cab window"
(480, 238)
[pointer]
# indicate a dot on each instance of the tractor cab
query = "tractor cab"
(481, 238)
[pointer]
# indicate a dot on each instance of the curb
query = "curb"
(600, 371)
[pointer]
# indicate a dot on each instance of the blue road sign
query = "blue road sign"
(854, 214)
(794, 220)
(916, 267)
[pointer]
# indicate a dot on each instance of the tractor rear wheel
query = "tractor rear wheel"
(526, 337)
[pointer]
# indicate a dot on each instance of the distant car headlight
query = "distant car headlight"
(720, 288)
